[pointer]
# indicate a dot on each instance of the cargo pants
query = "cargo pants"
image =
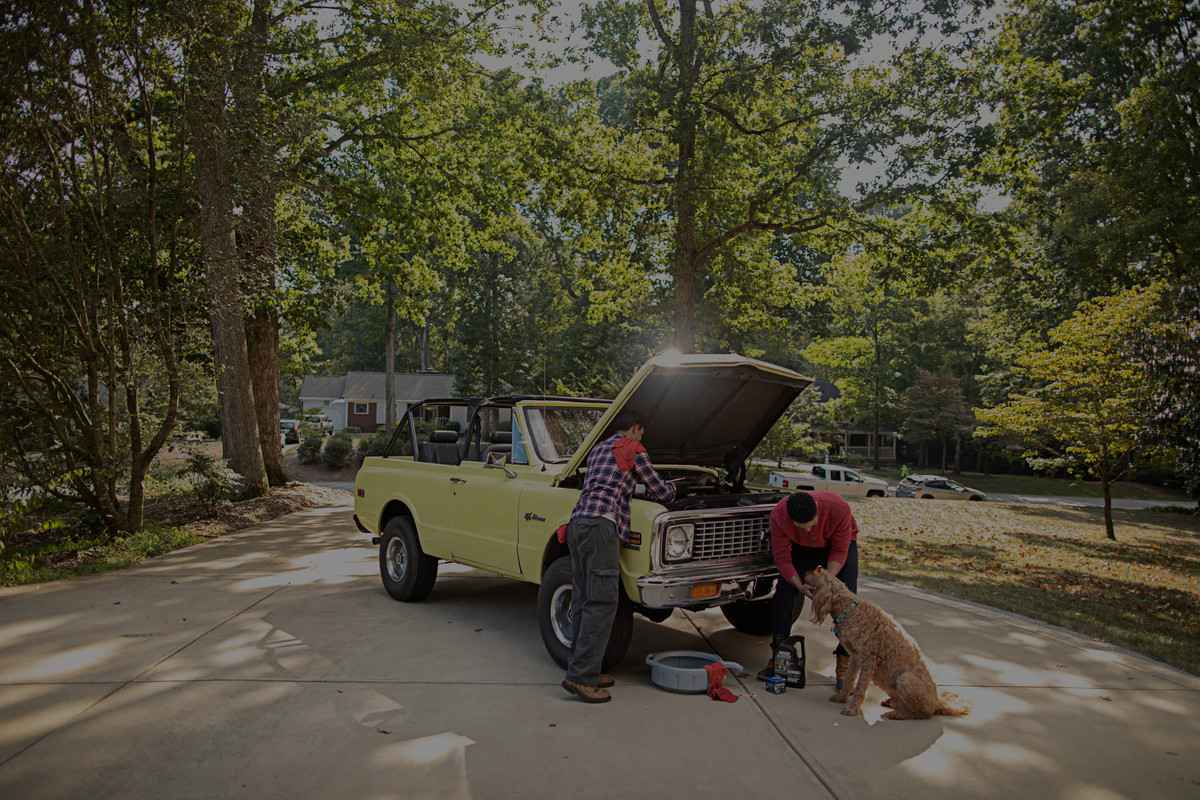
(595, 584)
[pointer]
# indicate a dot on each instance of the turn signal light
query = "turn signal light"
(703, 591)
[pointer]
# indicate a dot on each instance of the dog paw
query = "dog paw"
(837, 698)
(849, 712)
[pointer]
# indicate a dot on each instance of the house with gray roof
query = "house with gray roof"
(357, 399)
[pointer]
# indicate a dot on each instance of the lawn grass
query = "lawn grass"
(1050, 563)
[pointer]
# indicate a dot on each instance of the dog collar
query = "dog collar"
(843, 615)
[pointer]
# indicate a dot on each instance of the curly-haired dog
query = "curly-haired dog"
(880, 651)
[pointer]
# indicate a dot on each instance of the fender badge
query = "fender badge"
(534, 517)
(362, 492)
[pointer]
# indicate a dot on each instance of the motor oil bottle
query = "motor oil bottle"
(788, 661)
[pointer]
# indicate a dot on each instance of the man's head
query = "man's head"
(631, 423)
(802, 508)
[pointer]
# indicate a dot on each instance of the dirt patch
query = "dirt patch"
(190, 515)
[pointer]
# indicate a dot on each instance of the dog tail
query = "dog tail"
(953, 706)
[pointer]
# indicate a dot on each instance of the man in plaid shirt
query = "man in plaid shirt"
(601, 517)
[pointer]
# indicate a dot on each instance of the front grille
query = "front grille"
(739, 536)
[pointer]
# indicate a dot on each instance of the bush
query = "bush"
(309, 451)
(351, 429)
(212, 480)
(375, 444)
(338, 450)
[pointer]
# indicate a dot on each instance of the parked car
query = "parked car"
(290, 429)
(830, 477)
(318, 422)
(935, 487)
(494, 497)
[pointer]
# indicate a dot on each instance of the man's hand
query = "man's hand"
(801, 587)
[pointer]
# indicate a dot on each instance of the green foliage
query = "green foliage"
(375, 444)
(309, 450)
(213, 482)
(729, 137)
(1084, 401)
(338, 451)
(793, 435)
(87, 555)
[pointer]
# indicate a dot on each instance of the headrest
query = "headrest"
(443, 437)
(501, 437)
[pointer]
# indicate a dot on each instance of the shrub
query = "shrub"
(212, 480)
(375, 444)
(338, 450)
(351, 429)
(309, 451)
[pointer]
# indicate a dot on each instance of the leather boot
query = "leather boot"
(839, 671)
(588, 694)
(769, 670)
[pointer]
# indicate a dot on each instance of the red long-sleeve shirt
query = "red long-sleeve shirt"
(835, 529)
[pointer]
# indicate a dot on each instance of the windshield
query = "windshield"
(557, 431)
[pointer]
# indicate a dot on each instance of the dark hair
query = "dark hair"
(801, 507)
(627, 418)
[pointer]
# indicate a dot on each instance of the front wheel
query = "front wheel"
(554, 618)
(408, 574)
(755, 616)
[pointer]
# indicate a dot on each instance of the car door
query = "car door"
(484, 503)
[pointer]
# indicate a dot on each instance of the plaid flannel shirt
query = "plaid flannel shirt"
(607, 489)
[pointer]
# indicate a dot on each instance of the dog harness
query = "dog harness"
(842, 616)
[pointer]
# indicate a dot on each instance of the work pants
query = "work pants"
(595, 583)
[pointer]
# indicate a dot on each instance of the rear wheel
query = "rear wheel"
(554, 618)
(408, 574)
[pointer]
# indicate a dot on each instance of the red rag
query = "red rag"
(716, 673)
(625, 450)
(562, 533)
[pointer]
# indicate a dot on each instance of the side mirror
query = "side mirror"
(496, 461)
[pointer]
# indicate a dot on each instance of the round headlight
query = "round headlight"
(678, 542)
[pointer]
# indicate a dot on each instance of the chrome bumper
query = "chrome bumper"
(669, 591)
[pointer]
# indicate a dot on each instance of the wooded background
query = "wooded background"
(980, 223)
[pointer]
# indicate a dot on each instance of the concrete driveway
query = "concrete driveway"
(271, 664)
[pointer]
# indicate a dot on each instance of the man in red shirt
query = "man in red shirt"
(808, 530)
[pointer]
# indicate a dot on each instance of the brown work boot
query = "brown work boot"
(605, 681)
(588, 694)
(839, 671)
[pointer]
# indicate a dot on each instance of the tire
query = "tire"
(975, 497)
(554, 618)
(753, 617)
(408, 574)
(876, 494)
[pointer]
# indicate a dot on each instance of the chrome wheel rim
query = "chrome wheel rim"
(560, 614)
(397, 560)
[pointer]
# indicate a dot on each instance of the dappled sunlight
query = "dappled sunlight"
(73, 663)
(432, 766)
(945, 763)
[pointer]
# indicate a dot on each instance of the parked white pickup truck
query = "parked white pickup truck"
(829, 477)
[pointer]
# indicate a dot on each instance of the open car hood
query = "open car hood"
(700, 410)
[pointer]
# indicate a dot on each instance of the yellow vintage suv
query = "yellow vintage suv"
(487, 482)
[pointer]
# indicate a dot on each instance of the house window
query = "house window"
(360, 408)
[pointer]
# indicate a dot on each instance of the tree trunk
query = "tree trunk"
(389, 357)
(210, 133)
(257, 188)
(687, 261)
(1106, 475)
(426, 365)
